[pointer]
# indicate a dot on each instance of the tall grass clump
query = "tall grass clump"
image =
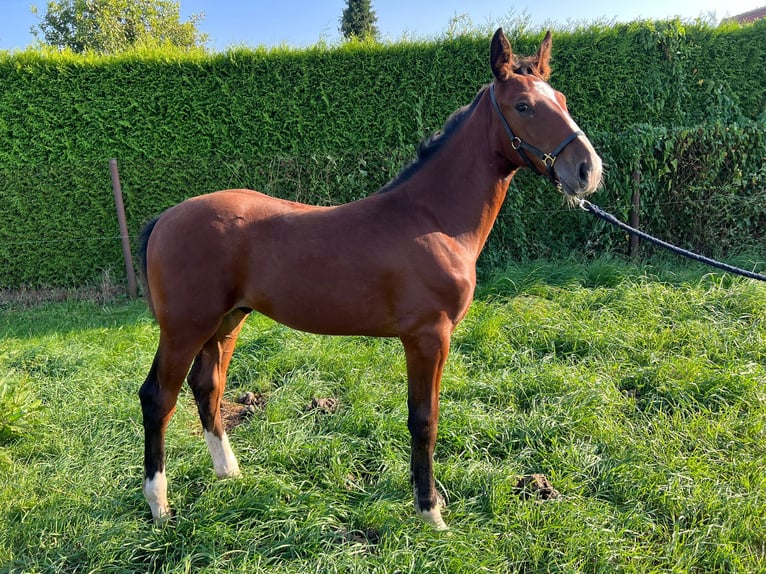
(17, 407)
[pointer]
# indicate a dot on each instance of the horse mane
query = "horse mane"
(430, 145)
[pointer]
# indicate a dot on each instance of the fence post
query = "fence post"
(634, 211)
(122, 221)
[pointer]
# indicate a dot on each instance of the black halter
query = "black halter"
(547, 159)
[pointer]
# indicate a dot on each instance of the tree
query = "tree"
(358, 20)
(108, 26)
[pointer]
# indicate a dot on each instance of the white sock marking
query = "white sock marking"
(224, 461)
(156, 494)
(433, 516)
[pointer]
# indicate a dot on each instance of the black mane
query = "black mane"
(430, 145)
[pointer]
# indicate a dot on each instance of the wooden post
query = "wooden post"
(634, 211)
(117, 188)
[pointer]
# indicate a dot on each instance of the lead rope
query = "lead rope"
(609, 218)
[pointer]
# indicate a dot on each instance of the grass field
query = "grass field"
(639, 392)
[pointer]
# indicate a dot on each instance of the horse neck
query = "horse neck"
(464, 185)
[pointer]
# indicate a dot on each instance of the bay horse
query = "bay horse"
(398, 263)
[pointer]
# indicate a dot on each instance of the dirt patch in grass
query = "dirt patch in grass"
(234, 414)
(368, 539)
(535, 486)
(325, 406)
(248, 403)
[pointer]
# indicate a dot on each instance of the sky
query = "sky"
(301, 23)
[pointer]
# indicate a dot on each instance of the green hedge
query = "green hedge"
(330, 124)
(703, 188)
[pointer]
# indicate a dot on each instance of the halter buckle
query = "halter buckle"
(516, 143)
(548, 160)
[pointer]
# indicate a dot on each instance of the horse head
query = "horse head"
(536, 129)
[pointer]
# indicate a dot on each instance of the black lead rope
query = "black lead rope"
(609, 218)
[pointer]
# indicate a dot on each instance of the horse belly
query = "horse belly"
(324, 303)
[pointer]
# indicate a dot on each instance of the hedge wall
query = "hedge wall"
(330, 124)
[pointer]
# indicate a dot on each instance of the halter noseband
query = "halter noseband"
(547, 159)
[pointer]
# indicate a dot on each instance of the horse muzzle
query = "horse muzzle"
(579, 171)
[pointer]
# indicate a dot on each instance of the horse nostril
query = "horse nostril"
(584, 172)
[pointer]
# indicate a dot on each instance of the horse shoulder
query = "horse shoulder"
(448, 270)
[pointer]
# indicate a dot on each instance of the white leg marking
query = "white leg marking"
(224, 461)
(156, 494)
(433, 516)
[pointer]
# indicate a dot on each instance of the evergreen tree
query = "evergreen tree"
(358, 20)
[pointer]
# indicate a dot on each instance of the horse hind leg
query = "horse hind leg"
(158, 395)
(208, 380)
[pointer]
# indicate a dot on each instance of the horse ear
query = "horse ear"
(500, 56)
(544, 57)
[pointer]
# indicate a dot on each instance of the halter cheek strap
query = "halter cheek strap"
(522, 147)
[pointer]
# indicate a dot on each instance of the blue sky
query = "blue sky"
(304, 22)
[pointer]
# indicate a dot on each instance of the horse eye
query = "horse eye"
(522, 108)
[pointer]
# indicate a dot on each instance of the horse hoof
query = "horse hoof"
(433, 518)
(162, 517)
(161, 514)
(230, 473)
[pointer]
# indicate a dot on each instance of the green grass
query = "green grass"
(640, 394)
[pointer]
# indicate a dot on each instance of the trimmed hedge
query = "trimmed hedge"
(327, 125)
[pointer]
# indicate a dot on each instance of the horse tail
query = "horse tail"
(143, 243)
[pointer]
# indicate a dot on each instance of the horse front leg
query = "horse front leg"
(426, 355)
